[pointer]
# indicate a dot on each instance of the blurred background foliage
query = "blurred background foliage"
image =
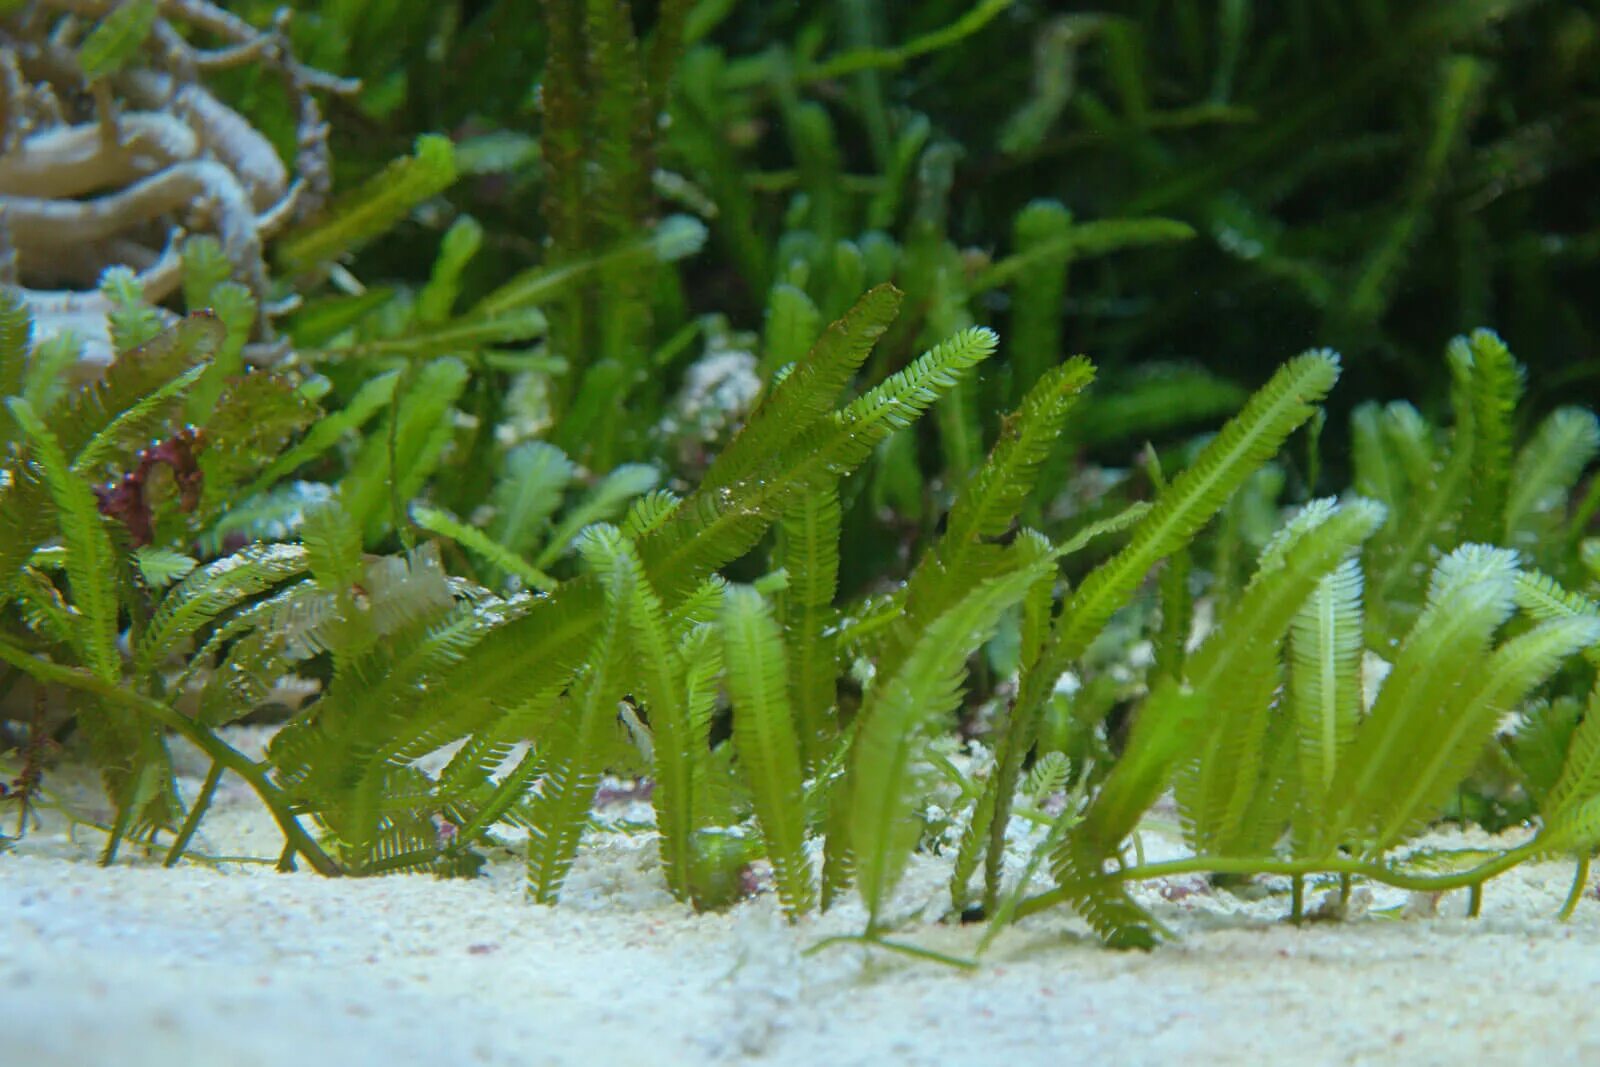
(1370, 176)
(1188, 191)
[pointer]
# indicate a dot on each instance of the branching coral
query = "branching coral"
(112, 149)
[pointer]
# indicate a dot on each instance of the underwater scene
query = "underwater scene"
(700, 531)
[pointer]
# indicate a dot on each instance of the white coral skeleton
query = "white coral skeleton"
(116, 171)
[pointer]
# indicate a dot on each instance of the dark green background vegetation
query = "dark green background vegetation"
(1370, 176)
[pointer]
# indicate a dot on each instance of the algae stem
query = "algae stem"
(1580, 882)
(192, 822)
(1375, 872)
(903, 947)
(295, 837)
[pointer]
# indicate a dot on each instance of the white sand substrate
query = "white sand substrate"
(236, 965)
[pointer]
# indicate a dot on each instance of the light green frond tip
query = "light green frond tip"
(1325, 643)
(1547, 468)
(116, 38)
(899, 400)
(160, 567)
(1246, 442)
(374, 208)
(470, 537)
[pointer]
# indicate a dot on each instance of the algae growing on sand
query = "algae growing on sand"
(731, 532)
